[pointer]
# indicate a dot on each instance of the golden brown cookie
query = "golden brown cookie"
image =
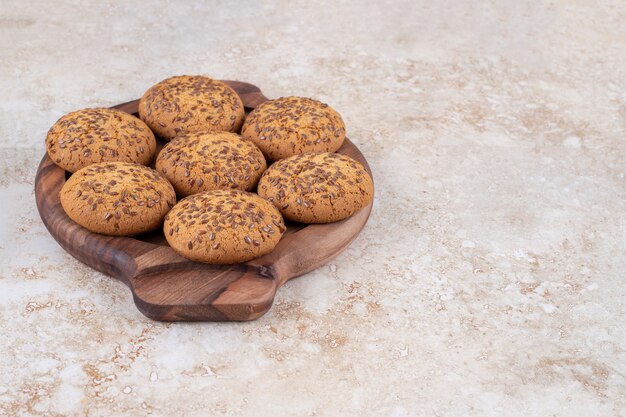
(186, 104)
(87, 136)
(206, 161)
(223, 227)
(117, 198)
(294, 125)
(317, 188)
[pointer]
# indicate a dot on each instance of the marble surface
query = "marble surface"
(488, 282)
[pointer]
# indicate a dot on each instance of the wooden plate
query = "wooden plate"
(168, 287)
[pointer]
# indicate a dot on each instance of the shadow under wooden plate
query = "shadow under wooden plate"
(168, 287)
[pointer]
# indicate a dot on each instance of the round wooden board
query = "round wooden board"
(168, 287)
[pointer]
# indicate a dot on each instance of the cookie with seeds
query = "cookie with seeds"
(317, 188)
(291, 126)
(198, 162)
(88, 136)
(117, 198)
(223, 227)
(186, 104)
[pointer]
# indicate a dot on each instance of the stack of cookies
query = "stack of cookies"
(238, 177)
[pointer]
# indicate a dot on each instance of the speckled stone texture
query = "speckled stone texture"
(489, 280)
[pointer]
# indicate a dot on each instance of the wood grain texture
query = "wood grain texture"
(168, 287)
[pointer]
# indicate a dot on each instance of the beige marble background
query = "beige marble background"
(488, 282)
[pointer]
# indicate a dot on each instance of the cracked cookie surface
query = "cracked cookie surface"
(290, 126)
(89, 136)
(223, 227)
(206, 161)
(185, 104)
(317, 188)
(117, 198)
